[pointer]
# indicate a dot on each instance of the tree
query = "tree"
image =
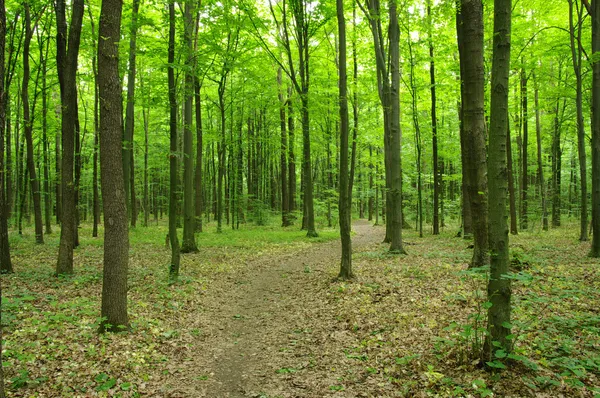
(128, 158)
(388, 83)
(5, 260)
(345, 197)
(116, 233)
(474, 125)
(595, 13)
(576, 56)
(498, 290)
(174, 242)
(67, 51)
(434, 139)
(188, 244)
(28, 128)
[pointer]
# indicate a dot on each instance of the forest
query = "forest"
(299, 198)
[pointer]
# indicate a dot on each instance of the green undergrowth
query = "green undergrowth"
(419, 321)
(51, 344)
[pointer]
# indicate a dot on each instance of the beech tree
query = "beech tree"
(116, 233)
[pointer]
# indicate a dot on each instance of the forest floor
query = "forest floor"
(258, 313)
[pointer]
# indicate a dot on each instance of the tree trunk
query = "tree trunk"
(556, 164)
(467, 219)
(345, 197)
(44, 49)
(474, 126)
(581, 139)
(538, 133)
(188, 244)
(511, 183)
(595, 249)
(285, 200)
(96, 196)
(291, 158)
(130, 118)
(499, 291)
(434, 144)
(28, 130)
(174, 242)
(525, 143)
(5, 260)
(198, 176)
(116, 234)
(66, 60)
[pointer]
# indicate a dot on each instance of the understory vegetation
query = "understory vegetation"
(409, 325)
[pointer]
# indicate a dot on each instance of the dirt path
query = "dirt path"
(259, 325)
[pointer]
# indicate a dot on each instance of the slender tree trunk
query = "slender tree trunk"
(345, 198)
(499, 291)
(556, 164)
(198, 176)
(5, 260)
(146, 116)
(524, 174)
(434, 143)
(595, 249)
(95, 189)
(174, 242)
(188, 244)
(285, 200)
(291, 157)
(467, 219)
(44, 49)
(538, 133)
(581, 139)
(66, 59)
(130, 118)
(511, 183)
(28, 130)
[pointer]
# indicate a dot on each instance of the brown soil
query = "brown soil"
(267, 329)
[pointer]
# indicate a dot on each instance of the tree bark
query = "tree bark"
(525, 143)
(5, 260)
(198, 176)
(345, 197)
(128, 167)
(434, 139)
(499, 291)
(116, 233)
(538, 133)
(66, 60)
(188, 244)
(474, 126)
(595, 249)
(511, 183)
(28, 130)
(174, 242)
(581, 140)
(285, 200)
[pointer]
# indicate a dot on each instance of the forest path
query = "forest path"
(253, 320)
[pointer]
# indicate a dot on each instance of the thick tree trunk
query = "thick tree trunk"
(474, 126)
(499, 291)
(116, 234)
(66, 60)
